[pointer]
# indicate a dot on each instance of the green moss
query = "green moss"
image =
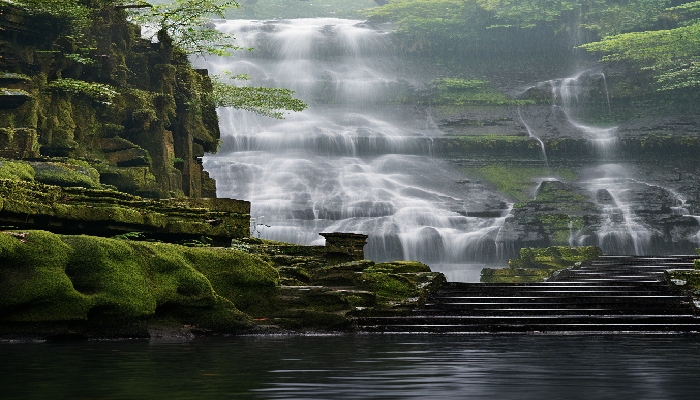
(559, 226)
(33, 282)
(461, 92)
(515, 275)
(68, 174)
(517, 181)
(399, 267)
(97, 92)
(558, 192)
(242, 278)
(555, 256)
(139, 181)
(16, 170)
(48, 277)
(538, 264)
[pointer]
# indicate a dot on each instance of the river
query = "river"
(357, 367)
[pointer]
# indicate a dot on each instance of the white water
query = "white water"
(612, 185)
(531, 133)
(349, 163)
(621, 231)
(569, 94)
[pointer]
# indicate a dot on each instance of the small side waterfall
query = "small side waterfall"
(622, 229)
(349, 163)
(531, 134)
(569, 95)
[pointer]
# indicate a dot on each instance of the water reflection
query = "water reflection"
(359, 367)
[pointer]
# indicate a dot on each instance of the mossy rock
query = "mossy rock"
(298, 274)
(538, 264)
(16, 170)
(66, 174)
(49, 278)
(554, 256)
(400, 267)
(685, 280)
(515, 275)
(138, 181)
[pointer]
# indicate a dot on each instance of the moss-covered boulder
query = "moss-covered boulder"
(89, 286)
(538, 264)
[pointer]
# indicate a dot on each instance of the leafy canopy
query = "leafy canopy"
(673, 55)
(187, 23)
(270, 102)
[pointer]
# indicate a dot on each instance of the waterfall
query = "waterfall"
(622, 230)
(569, 95)
(350, 162)
(531, 134)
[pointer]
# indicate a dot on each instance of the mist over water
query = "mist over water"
(350, 163)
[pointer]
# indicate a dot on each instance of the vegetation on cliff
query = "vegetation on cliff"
(639, 40)
(672, 55)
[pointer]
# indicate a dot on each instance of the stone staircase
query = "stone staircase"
(612, 294)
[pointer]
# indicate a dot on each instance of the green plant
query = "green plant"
(186, 23)
(98, 92)
(271, 102)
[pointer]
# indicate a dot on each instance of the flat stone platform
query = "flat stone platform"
(610, 295)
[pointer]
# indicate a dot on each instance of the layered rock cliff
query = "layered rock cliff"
(135, 111)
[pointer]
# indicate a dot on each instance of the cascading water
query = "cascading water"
(531, 134)
(349, 163)
(622, 230)
(569, 95)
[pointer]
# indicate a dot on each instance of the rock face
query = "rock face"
(77, 210)
(135, 110)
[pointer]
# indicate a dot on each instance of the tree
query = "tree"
(187, 23)
(673, 55)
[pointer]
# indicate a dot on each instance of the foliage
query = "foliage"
(602, 16)
(260, 100)
(427, 22)
(672, 55)
(71, 15)
(471, 19)
(187, 23)
(270, 9)
(98, 92)
(609, 17)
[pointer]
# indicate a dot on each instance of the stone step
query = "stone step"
(613, 294)
(549, 327)
(555, 311)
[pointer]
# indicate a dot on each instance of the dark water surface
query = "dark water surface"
(358, 367)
